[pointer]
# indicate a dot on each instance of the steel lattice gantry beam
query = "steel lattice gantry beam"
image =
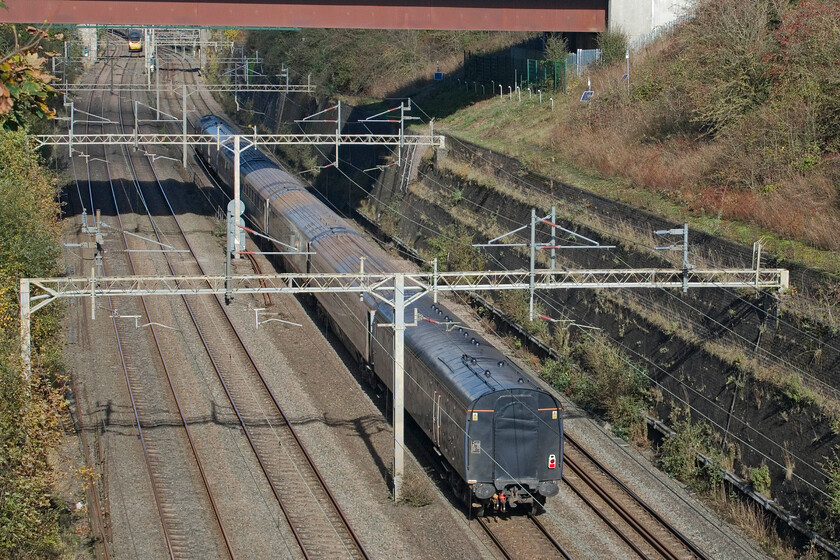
(239, 88)
(261, 139)
(416, 284)
(509, 15)
(400, 290)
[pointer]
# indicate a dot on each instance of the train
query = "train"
(498, 434)
(135, 40)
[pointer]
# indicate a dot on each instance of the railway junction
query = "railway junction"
(215, 439)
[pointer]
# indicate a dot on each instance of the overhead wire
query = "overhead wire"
(680, 382)
(462, 299)
(349, 178)
(408, 376)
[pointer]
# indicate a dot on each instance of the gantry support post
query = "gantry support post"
(553, 238)
(70, 138)
(184, 128)
(402, 133)
(399, 381)
(237, 151)
(112, 63)
(337, 133)
(157, 84)
(533, 246)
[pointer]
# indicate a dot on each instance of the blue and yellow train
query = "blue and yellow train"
(135, 40)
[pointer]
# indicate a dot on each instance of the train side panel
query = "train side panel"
(435, 407)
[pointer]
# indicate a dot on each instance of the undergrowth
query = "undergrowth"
(605, 383)
(731, 123)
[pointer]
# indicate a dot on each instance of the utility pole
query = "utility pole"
(236, 190)
(184, 127)
(399, 381)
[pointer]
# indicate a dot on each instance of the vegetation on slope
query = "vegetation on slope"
(734, 118)
(370, 63)
(29, 412)
(29, 247)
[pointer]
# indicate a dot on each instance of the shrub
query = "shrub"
(613, 45)
(29, 413)
(454, 251)
(416, 490)
(727, 52)
(760, 478)
(556, 373)
(832, 473)
(556, 48)
(678, 454)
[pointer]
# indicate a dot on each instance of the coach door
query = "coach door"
(436, 419)
(265, 216)
(515, 439)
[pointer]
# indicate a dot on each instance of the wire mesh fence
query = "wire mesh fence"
(526, 68)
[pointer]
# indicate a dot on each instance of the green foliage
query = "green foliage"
(678, 454)
(556, 48)
(619, 388)
(454, 251)
(605, 382)
(760, 478)
(557, 373)
(359, 61)
(25, 87)
(832, 473)
(613, 45)
(29, 413)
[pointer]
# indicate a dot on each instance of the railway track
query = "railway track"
(646, 532)
(522, 537)
(179, 483)
(313, 515)
(99, 505)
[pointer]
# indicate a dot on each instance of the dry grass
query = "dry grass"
(758, 178)
(753, 522)
(416, 489)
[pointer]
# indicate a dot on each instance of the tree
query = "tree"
(24, 84)
(29, 412)
(613, 45)
(556, 48)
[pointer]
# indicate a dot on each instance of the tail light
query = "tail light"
(552, 461)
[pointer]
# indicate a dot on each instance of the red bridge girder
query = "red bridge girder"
(510, 15)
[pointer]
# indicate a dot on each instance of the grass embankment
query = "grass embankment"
(731, 124)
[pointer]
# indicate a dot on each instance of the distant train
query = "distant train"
(500, 435)
(135, 40)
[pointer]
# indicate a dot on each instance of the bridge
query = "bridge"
(508, 15)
